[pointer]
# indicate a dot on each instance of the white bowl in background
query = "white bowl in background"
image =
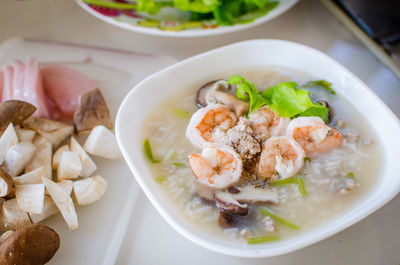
(131, 23)
(249, 54)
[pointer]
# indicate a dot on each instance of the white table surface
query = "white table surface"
(150, 240)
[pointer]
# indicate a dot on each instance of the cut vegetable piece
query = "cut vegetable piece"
(92, 111)
(25, 134)
(66, 185)
(148, 152)
(32, 177)
(281, 182)
(18, 157)
(13, 217)
(102, 142)
(42, 158)
(300, 184)
(89, 190)
(14, 111)
(53, 131)
(30, 198)
(269, 213)
(88, 166)
(57, 155)
(63, 202)
(6, 183)
(49, 209)
(70, 166)
(8, 139)
(262, 239)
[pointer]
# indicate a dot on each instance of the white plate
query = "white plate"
(274, 53)
(102, 225)
(171, 17)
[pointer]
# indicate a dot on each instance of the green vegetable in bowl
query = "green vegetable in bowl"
(225, 12)
(287, 99)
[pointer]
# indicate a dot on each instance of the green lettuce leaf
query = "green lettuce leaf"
(320, 84)
(248, 91)
(150, 6)
(287, 99)
(316, 110)
(199, 6)
(227, 12)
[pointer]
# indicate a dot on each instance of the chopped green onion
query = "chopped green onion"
(281, 182)
(351, 175)
(110, 4)
(307, 159)
(269, 213)
(148, 152)
(301, 186)
(178, 164)
(262, 239)
(160, 179)
(181, 113)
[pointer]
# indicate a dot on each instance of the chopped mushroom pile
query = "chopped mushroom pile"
(43, 166)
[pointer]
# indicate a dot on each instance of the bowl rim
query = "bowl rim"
(321, 232)
(188, 33)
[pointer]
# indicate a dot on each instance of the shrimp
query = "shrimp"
(216, 167)
(314, 135)
(209, 125)
(281, 155)
(266, 123)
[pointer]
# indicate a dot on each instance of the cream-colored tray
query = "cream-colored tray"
(102, 225)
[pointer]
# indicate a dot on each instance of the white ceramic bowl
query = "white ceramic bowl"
(131, 23)
(249, 54)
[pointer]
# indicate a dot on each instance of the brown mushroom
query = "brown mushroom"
(226, 220)
(6, 183)
(217, 92)
(227, 204)
(92, 111)
(32, 244)
(14, 111)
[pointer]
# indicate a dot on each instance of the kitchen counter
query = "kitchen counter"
(149, 239)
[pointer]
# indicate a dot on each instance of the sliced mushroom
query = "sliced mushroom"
(49, 209)
(88, 166)
(92, 111)
(53, 131)
(41, 158)
(216, 92)
(30, 198)
(25, 134)
(12, 217)
(226, 220)
(14, 111)
(32, 177)
(102, 142)
(205, 192)
(226, 202)
(254, 194)
(18, 157)
(63, 202)
(7, 140)
(6, 183)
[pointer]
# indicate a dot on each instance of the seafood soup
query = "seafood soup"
(261, 155)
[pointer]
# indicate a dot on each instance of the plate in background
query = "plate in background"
(171, 23)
